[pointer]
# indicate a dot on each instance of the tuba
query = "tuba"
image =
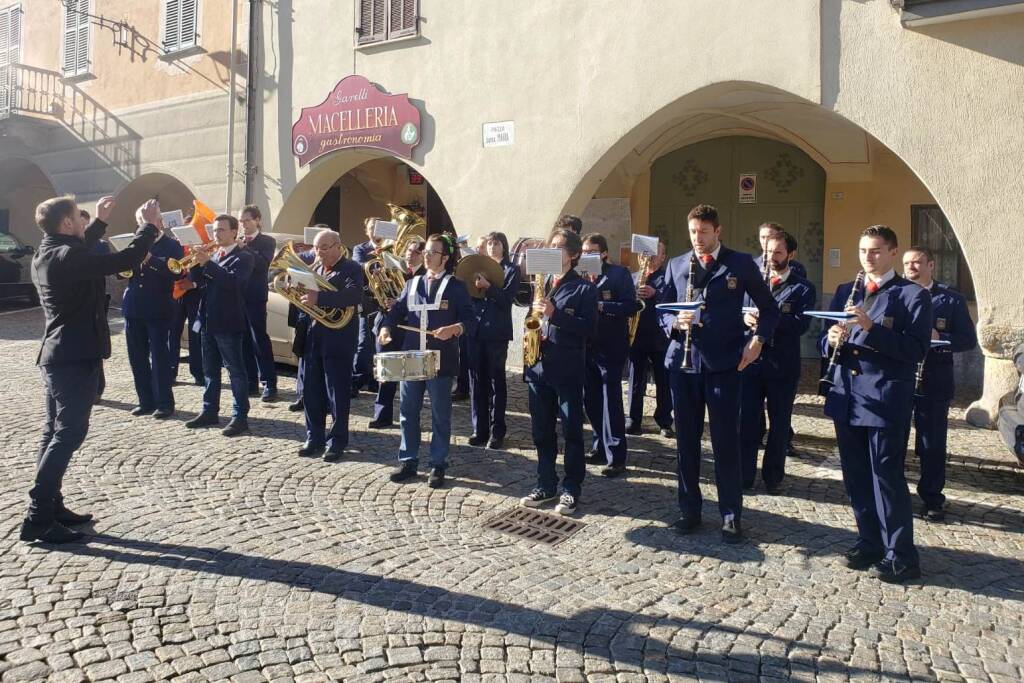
(333, 318)
(385, 272)
(531, 336)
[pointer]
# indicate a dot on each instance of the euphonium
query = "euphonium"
(333, 318)
(184, 264)
(634, 322)
(385, 271)
(531, 336)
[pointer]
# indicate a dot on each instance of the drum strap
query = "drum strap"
(422, 308)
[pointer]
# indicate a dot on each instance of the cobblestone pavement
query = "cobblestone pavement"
(235, 559)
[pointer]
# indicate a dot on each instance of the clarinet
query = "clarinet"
(689, 297)
(919, 375)
(764, 268)
(826, 382)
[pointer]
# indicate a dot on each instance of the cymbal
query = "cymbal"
(468, 268)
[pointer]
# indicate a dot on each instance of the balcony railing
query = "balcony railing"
(31, 92)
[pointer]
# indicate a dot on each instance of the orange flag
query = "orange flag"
(202, 215)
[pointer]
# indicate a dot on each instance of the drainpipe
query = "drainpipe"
(231, 108)
(252, 98)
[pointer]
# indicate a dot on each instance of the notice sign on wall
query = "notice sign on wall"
(748, 188)
(500, 134)
(357, 113)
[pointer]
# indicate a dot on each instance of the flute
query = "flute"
(826, 381)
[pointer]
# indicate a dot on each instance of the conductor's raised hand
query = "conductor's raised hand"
(104, 207)
(151, 212)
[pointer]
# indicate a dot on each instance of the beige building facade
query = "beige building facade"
(847, 113)
(825, 115)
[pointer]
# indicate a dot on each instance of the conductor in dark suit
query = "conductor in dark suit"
(76, 339)
(222, 276)
(721, 349)
(259, 355)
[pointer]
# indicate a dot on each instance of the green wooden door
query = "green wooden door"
(790, 189)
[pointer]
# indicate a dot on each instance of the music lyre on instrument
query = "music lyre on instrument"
(826, 383)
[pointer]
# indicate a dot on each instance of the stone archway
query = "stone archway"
(172, 193)
(867, 182)
(23, 185)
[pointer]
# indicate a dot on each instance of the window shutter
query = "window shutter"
(6, 43)
(189, 23)
(172, 25)
(372, 18)
(404, 18)
(75, 58)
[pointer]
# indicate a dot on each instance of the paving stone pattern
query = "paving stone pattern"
(235, 559)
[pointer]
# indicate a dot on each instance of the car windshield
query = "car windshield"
(8, 243)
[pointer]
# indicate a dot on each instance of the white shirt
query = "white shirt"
(783, 276)
(228, 249)
(885, 278)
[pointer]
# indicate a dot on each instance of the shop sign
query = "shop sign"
(748, 188)
(357, 113)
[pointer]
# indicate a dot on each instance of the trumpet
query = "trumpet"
(531, 336)
(333, 318)
(826, 383)
(187, 262)
(634, 322)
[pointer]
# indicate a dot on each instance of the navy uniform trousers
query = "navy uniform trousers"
(639, 357)
(779, 393)
(719, 392)
(549, 404)
(149, 356)
(931, 422)
(602, 399)
(326, 388)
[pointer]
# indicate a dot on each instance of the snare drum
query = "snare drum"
(398, 366)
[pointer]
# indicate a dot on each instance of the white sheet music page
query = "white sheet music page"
(543, 261)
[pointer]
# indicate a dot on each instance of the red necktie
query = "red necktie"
(706, 259)
(555, 281)
(776, 281)
(221, 254)
(871, 287)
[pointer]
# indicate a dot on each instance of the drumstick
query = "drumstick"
(416, 329)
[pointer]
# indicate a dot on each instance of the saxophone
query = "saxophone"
(634, 322)
(531, 336)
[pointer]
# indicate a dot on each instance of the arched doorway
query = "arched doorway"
(819, 174)
(171, 192)
(23, 185)
(361, 186)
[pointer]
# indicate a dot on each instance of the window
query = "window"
(75, 59)
(180, 27)
(10, 54)
(382, 20)
(929, 227)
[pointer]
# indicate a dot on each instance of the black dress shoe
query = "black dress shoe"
(732, 531)
(379, 424)
(54, 532)
(404, 472)
(436, 479)
(496, 443)
(934, 514)
(163, 413)
(668, 433)
(634, 430)
(893, 571)
(596, 457)
(860, 559)
(686, 524)
(612, 471)
(203, 420)
(309, 449)
(141, 411)
(773, 489)
(254, 391)
(236, 426)
(69, 518)
(475, 440)
(296, 406)
(269, 395)
(333, 455)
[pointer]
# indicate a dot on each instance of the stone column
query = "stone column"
(997, 341)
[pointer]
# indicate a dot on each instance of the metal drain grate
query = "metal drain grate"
(534, 525)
